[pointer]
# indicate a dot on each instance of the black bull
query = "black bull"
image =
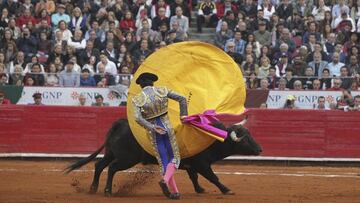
(122, 152)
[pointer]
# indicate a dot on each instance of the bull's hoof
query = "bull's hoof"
(229, 193)
(200, 190)
(93, 190)
(107, 193)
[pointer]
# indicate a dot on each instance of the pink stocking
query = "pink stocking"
(172, 185)
(170, 170)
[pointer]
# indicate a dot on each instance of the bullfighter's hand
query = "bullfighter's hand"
(159, 130)
(182, 118)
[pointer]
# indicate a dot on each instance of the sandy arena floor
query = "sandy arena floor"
(43, 181)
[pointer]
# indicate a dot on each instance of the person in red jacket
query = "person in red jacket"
(2, 98)
(128, 23)
(25, 18)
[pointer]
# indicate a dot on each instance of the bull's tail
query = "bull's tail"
(83, 161)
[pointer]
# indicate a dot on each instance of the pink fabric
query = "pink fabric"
(204, 121)
(172, 185)
(170, 170)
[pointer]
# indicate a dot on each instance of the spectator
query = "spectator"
(299, 66)
(264, 84)
(346, 101)
(103, 78)
(27, 43)
(252, 82)
(335, 65)
(317, 64)
(282, 66)
(320, 10)
(37, 75)
(86, 80)
(25, 18)
(346, 80)
(160, 19)
(128, 23)
(37, 99)
(321, 104)
(239, 43)
(183, 5)
(325, 79)
(16, 78)
(264, 66)
(77, 41)
(249, 65)
(223, 35)
(182, 20)
(307, 81)
(78, 21)
(69, 77)
(262, 35)
(336, 85)
(3, 79)
(82, 100)
(285, 9)
(272, 78)
(3, 99)
(316, 85)
(356, 103)
(354, 66)
(206, 14)
(99, 101)
(52, 77)
(249, 9)
(47, 5)
(59, 16)
(298, 85)
(282, 85)
(290, 102)
(230, 47)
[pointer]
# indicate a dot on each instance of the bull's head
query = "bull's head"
(244, 143)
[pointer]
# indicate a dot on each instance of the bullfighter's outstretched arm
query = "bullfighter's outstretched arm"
(182, 102)
(141, 120)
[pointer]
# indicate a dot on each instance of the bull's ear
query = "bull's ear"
(243, 122)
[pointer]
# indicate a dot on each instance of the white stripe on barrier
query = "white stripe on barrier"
(255, 158)
(268, 173)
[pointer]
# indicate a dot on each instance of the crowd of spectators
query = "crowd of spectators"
(278, 44)
(84, 42)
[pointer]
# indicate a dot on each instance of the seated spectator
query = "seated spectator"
(25, 18)
(321, 104)
(77, 41)
(252, 82)
(27, 43)
(284, 50)
(103, 78)
(264, 84)
(86, 80)
(110, 67)
(289, 78)
(37, 99)
(82, 100)
(354, 66)
(325, 79)
(99, 101)
(3, 79)
(330, 43)
(95, 33)
(316, 85)
(264, 66)
(181, 20)
(222, 36)
(90, 65)
(230, 19)
(356, 106)
(3, 99)
(78, 21)
(298, 85)
(160, 19)
(345, 77)
(272, 78)
(335, 65)
(44, 47)
(224, 7)
(249, 65)
(299, 66)
(311, 31)
(128, 23)
(268, 9)
(319, 11)
(52, 77)
(16, 78)
(144, 51)
(248, 8)
(238, 41)
(230, 47)
(343, 20)
(285, 38)
(206, 14)
(59, 16)
(143, 16)
(346, 101)
(307, 81)
(336, 86)
(282, 85)
(125, 75)
(262, 35)
(282, 66)
(69, 77)
(180, 34)
(37, 75)
(155, 9)
(183, 5)
(317, 64)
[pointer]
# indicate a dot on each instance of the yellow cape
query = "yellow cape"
(205, 75)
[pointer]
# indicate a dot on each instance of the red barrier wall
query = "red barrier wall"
(283, 133)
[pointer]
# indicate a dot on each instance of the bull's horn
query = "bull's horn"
(234, 137)
(243, 122)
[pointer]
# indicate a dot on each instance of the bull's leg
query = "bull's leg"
(99, 167)
(117, 165)
(206, 171)
(194, 179)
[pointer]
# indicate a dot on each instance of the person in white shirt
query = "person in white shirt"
(110, 66)
(77, 41)
(335, 65)
(181, 19)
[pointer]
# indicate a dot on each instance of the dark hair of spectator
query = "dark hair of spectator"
(99, 96)
(326, 70)
(321, 97)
